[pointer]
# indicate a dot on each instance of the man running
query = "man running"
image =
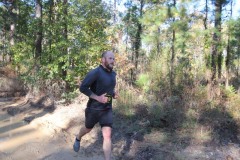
(99, 86)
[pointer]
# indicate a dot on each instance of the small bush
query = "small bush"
(125, 102)
(228, 92)
(157, 116)
(233, 106)
(69, 96)
(143, 82)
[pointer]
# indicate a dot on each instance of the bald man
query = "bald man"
(99, 85)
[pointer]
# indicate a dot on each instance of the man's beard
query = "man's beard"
(109, 66)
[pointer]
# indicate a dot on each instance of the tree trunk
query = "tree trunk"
(238, 67)
(172, 54)
(138, 40)
(158, 42)
(218, 38)
(172, 61)
(206, 37)
(38, 41)
(65, 48)
(3, 39)
(50, 30)
(13, 22)
(216, 54)
(228, 57)
(12, 31)
(115, 12)
(206, 15)
(133, 69)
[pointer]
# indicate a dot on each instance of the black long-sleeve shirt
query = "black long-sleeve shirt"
(99, 81)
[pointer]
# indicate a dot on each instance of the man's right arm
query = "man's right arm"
(85, 87)
(87, 82)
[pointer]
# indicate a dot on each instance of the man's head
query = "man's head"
(108, 60)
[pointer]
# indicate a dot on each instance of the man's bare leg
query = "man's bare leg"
(107, 142)
(82, 132)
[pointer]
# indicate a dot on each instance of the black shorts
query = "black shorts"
(92, 116)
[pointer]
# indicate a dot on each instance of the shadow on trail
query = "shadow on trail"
(16, 115)
(164, 132)
(130, 131)
(176, 132)
(225, 129)
(67, 154)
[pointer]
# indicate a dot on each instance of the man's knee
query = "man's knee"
(106, 131)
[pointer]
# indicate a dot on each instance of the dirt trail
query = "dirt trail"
(38, 133)
(49, 136)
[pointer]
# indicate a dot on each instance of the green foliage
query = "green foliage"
(155, 114)
(77, 54)
(144, 82)
(233, 106)
(88, 23)
(22, 53)
(69, 96)
(89, 31)
(228, 91)
(126, 102)
(158, 73)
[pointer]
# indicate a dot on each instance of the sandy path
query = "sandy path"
(48, 137)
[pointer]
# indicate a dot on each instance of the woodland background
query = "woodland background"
(178, 62)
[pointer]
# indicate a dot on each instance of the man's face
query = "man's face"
(108, 60)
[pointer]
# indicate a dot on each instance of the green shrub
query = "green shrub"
(229, 91)
(143, 82)
(125, 102)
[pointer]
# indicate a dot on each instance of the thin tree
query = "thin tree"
(134, 32)
(51, 5)
(137, 45)
(228, 57)
(172, 48)
(206, 36)
(216, 59)
(13, 10)
(216, 38)
(38, 41)
(65, 37)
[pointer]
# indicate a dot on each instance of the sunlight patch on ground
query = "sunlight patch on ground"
(14, 132)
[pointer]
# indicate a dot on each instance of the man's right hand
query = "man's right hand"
(101, 99)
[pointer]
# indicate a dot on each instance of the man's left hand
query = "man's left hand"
(116, 95)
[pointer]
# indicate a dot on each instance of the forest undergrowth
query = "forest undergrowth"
(183, 119)
(156, 123)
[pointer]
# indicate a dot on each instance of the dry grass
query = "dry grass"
(202, 134)
(188, 118)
